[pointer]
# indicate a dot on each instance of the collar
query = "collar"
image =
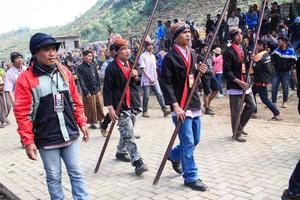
(40, 70)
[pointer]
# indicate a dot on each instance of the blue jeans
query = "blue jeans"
(284, 79)
(146, 92)
(189, 136)
(219, 80)
(52, 165)
(263, 94)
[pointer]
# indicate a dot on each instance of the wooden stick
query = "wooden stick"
(248, 72)
(179, 123)
(126, 86)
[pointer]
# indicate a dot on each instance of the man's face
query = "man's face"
(47, 55)
(18, 62)
(281, 43)
(204, 49)
(88, 58)
(238, 38)
(260, 47)
(149, 48)
(112, 53)
(124, 54)
(184, 38)
(232, 14)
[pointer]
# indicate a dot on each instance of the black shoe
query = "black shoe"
(166, 112)
(209, 111)
(197, 185)
(240, 138)
(93, 126)
(140, 167)
(244, 133)
(176, 166)
(123, 157)
(287, 196)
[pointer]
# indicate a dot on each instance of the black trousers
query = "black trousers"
(294, 184)
(248, 109)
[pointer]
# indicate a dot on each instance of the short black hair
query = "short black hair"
(262, 42)
(86, 52)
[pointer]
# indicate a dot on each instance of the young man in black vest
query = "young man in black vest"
(178, 75)
(234, 70)
(116, 75)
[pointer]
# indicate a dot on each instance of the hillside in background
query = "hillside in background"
(128, 17)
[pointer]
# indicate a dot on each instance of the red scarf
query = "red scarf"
(187, 64)
(241, 56)
(126, 73)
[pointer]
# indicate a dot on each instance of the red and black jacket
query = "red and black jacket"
(34, 107)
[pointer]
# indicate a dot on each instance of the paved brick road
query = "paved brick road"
(258, 169)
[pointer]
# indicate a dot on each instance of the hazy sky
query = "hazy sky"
(40, 13)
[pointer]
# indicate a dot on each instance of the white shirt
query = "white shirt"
(233, 22)
(147, 61)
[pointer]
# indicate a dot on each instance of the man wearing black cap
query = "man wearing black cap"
(48, 110)
(283, 59)
(234, 70)
(116, 75)
(177, 77)
(11, 77)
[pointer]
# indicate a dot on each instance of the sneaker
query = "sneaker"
(208, 111)
(286, 195)
(240, 138)
(93, 126)
(276, 118)
(123, 157)
(2, 125)
(244, 133)
(220, 95)
(166, 112)
(197, 185)
(254, 116)
(146, 114)
(103, 132)
(284, 105)
(137, 136)
(140, 167)
(176, 166)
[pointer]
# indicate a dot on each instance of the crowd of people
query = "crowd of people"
(46, 93)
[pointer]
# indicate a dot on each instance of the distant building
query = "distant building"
(69, 42)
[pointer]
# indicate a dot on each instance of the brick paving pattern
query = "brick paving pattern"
(257, 169)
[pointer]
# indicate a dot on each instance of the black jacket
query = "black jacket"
(173, 78)
(283, 60)
(46, 125)
(89, 78)
(263, 69)
(232, 67)
(114, 84)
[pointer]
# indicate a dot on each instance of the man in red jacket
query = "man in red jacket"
(48, 110)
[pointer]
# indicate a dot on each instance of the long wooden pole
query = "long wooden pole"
(249, 70)
(178, 126)
(126, 86)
